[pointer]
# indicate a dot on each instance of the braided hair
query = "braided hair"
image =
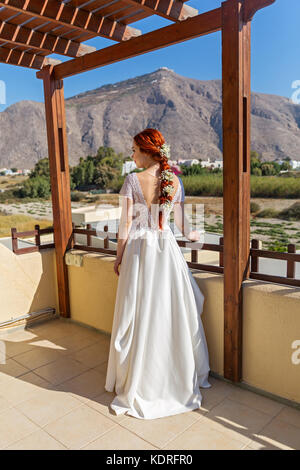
(150, 141)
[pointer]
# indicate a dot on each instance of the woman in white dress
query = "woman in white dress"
(158, 355)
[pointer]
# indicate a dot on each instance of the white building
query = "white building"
(190, 162)
(128, 167)
(209, 163)
(295, 164)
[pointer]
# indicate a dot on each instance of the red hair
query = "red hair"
(149, 141)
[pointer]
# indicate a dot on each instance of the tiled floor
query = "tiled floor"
(52, 396)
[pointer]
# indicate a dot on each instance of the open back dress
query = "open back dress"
(158, 356)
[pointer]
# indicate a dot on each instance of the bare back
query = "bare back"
(150, 187)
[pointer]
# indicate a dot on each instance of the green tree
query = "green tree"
(268, 169)
(256, 171)
(105, 175)
(255, 162)
(286, 165)
(41, 168)
(38, 187)
(196, 169)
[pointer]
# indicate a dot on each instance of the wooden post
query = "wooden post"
(236, 174)
(60, 179)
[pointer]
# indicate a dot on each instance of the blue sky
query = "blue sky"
(275, 57)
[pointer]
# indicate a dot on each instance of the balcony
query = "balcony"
(53, 397)
(53, 369)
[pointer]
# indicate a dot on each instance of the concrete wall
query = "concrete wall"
(27, 283)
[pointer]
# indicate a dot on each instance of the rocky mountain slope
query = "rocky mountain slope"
(187, 111)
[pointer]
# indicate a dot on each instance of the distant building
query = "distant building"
(295, 164)
(8, 172)
(128, 167)
(190, 162)
(214, 164)
(218, 164)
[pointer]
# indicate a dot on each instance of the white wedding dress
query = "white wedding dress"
(158, 355)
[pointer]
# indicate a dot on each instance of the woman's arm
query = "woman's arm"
(123, 230)
(181, 219)
(182, 222)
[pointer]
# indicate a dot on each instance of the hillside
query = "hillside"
(187, 111)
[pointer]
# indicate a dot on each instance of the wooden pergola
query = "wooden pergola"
(31, 30)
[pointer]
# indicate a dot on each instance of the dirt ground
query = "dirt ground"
(268, 230)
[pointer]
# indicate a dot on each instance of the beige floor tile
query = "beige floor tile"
(280, 434)
(37, 357)
(237, 420)
(20, 389)
(17, 335)
(256, 401)
(214, 395)
(4, 404)
(290, 415)
(12, 368)
(14, 426)
(79, 427)
(38, 440)
(102, 368)
(47, 406)
(75, 342)
(159, 431)
(61, 370)
(93, 355)
(4, 378)
(54, 329)
(101, 403)
(18, 342)
(84, 386)
(119, 439)
(203, 437)
(261, 444)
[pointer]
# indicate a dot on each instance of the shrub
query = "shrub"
(77, 196)
(291, 213)
(254, 207)
(268, 213)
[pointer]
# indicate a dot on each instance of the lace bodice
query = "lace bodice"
(143, 217)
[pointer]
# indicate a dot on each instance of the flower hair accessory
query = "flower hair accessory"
(166, 176)
(165, 150)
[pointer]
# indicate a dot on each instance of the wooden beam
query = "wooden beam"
(252, 6)
(25, 59)
(236, 177)
(199, 25)
(67, 15)
(60, 181)
(45, 42)
(174, 10)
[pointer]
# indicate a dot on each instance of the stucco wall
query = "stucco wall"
(27, 283)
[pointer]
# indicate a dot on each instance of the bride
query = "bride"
(158, 356)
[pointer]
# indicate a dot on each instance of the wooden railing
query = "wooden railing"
(291, 257)
(36, 233)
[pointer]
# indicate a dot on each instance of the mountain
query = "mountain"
(187, 111)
